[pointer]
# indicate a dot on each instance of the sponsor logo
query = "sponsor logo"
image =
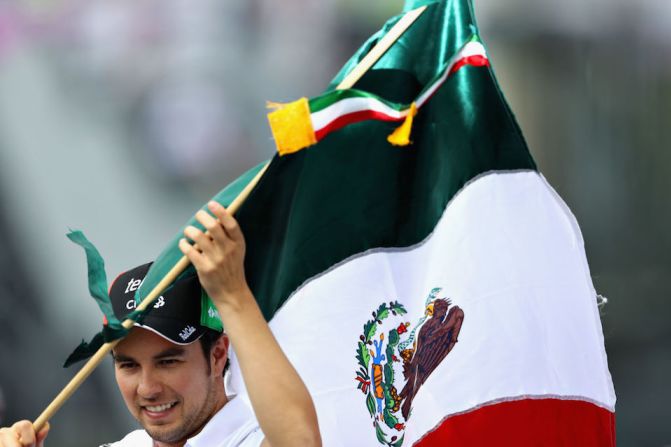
(212, 312)
(133, 285)
(186, 332)
(402, 356)
(160, 302)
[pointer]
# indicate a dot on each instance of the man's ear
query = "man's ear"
(219, 354)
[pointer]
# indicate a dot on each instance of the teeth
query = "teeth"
(158, 408)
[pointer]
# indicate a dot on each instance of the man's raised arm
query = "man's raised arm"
(270, 378)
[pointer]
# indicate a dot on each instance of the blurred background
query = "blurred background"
(121, 118)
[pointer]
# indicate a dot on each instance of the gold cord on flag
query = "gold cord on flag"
(401, 135)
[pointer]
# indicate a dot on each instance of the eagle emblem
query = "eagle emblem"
(411, 351)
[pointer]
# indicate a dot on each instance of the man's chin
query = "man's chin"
(164, 429)
(166, 433)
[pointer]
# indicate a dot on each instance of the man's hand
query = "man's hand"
(218, 255)
(22, 434)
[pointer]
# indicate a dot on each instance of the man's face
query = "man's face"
(168, 388)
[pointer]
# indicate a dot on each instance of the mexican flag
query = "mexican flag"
(432, 291)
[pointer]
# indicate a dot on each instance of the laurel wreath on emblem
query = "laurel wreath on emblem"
(382, 397)
(424, 348)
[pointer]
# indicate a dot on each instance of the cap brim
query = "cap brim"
(170, 330)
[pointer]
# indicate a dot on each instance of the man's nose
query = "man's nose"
(149, 386)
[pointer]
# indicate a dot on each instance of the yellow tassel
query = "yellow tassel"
(291, 126)
(401, 135)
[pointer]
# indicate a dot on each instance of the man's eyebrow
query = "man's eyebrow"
(118, 358)
(170, 352)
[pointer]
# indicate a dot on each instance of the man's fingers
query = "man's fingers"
(198, 259)
(214, 228)
(42, 435)
(211, 224)
(195, 257)
(201, 239)
(227, 220)
(22, 434)
(25, 432)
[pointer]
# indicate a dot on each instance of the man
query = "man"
(169, 369)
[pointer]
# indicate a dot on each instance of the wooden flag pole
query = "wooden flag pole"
(380, 48)
(352, 77)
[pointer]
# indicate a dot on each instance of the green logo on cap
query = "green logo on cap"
(209, 316)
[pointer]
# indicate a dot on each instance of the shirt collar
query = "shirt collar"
(223, 425)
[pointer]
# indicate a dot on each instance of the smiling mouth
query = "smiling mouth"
(159, 408)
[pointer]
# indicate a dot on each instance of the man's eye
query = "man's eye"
(126, 365)
(168, 362)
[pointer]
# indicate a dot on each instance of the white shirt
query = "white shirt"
(232, 426)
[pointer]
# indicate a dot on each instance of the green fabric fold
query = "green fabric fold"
(97, 284)
(97, 277)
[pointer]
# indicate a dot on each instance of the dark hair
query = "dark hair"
(207, 340)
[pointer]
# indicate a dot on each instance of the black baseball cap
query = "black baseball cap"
(175, 315)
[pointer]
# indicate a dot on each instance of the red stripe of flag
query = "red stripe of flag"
(526, 423)
(476, 60)
(351, 118)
